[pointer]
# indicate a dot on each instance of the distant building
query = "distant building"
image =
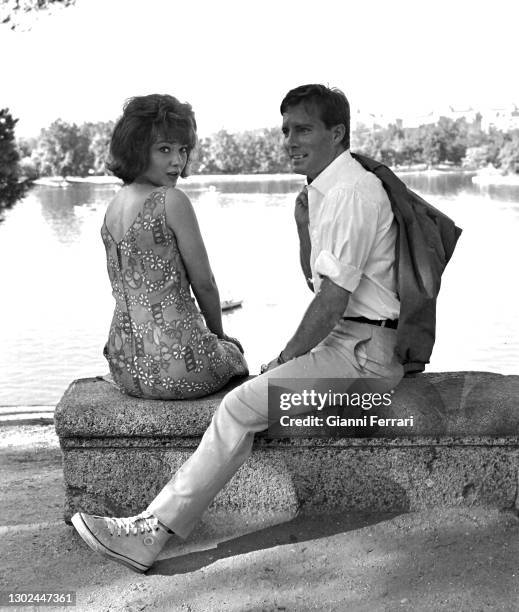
(369, 121)
(503, 118)
(414, 121)
(469, 113)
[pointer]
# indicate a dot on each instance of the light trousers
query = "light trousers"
(351, 351)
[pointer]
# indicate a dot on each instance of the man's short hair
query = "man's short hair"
(332, 104)
(145, 120)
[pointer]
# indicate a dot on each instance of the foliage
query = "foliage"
(220, 154)
(98, 135)
(496, 141)
(476, 157)
(17, 14)
(63, 149)
(250, 152)
(509, 154)
(12, 187)
(454, 142)
(68, 149)
(29, 169)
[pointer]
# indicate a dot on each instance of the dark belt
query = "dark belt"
(392, 324)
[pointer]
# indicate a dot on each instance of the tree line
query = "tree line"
(68, 149)
(456, 142)
(65, 149)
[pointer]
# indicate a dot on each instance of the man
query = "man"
(347, 245)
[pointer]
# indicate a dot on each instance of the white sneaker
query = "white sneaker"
(135, 541)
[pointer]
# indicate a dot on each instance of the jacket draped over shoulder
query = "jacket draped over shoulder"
(426, 241)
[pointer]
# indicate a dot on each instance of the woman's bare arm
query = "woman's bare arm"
(181, 217)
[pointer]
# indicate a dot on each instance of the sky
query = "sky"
(235, 60)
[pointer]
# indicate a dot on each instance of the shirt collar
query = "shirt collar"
(328, 178)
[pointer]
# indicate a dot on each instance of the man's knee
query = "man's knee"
(251, 396)
(233, 398)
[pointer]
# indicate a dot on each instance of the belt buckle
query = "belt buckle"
(383, 323)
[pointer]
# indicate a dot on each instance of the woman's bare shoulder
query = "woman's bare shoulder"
(179, 210)
(118, 202)
(175, 197)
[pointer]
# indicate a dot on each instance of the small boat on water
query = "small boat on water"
(230, 304)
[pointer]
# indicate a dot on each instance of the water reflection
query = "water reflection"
(236, 184)
(452, 184)
(61, 206)
(503, 193)
(55, 329)
(264, 187)
(241, 192)
(440, 183)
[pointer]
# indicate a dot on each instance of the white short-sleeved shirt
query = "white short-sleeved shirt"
(353, 234)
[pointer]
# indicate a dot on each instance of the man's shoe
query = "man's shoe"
(135, 541)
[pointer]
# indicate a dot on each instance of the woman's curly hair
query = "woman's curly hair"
(145, 120)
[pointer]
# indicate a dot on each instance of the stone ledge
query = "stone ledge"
(118, 452)
(290, 445)
(92, 407)
(452, 404)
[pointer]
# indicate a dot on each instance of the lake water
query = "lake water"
(57, 305)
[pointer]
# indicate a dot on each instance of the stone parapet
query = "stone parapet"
(463, 449)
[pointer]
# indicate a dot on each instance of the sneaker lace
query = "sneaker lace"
(132, 524)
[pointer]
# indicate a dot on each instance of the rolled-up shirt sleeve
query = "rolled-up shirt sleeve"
(347, 231)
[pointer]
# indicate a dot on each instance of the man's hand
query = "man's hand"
(322, 314)
(269, 366)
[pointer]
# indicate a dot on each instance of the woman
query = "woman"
(159, 345)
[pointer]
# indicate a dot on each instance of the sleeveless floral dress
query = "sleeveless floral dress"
(158, 345)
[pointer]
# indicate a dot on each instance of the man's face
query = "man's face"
(310, 145)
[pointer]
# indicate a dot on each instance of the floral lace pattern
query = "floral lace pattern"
(159, 345)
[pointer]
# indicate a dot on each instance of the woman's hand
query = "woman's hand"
(234, 341)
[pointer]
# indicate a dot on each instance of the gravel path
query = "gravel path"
(462, 559)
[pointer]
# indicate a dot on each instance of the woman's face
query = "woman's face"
(167, 159)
